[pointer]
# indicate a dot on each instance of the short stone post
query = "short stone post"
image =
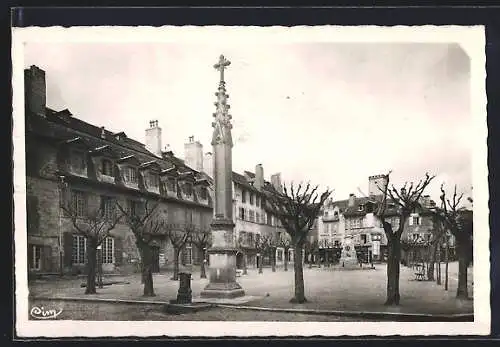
(184, 294)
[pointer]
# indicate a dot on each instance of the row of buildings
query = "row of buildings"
(354, 218)
(98, 168)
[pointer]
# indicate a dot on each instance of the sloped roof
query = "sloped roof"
(66, 128)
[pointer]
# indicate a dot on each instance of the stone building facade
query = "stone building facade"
(67, 158)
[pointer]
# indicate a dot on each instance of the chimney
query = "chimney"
(208, 164)
(35, 90)
(259, 176)
(352, 199)
(276, 182)
(153, 138)
(376, 184)
(103, 133)
(193, 154)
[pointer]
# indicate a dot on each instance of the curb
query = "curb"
(413, 317)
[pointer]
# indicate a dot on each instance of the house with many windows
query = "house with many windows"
(92, 168)
(355, 217)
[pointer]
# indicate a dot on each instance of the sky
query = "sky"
(322, 112)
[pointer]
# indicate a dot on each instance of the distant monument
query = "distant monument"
(222, 272)
(348, 256)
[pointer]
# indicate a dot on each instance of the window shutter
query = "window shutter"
(68, 249)
(118, 251)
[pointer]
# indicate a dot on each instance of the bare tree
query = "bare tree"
(284, 242)
(458, 220)
(95, 226)
(202, 240)
(262, 246)
(145, 224)
(297, 210)
(406, 201)
(179, 235)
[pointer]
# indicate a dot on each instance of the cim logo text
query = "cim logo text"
(42, 313)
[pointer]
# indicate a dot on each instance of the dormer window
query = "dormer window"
(130, 174)
(336, 214)
(361, 207)
(153, 180)
(171, 184)
(188, 188)
(107, 167)
(203, 193)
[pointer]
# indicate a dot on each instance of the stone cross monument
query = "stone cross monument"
(222, 255)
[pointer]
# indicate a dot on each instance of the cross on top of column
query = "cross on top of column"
(221, 65)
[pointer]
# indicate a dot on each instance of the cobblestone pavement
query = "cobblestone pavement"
(326, 289)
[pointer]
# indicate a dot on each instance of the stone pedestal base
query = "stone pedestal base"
(222, 275)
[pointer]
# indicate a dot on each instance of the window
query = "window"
(108, 205)
(415, 220)
(108, 247)
(35, 257)
(257, 201)
(415, 237)
(242, 213)
(171, 185)
(376, 237)
(251, 215)
(243, 196)
(203, 193)
(79, 203)
(107, 167)
(153, 180)
(79, 248)
(280, 255)
(257, 217)
(336, 214)
(361, 207)
(269, 219)
(428, 237)
(77, 160)
(188, 188)
(336, 243)
(130, 174)
(251, 198)
(363, 238)
(356, 223)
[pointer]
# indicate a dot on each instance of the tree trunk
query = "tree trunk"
(286, 259)
(261, 257)
(446, 267)
(393, 267)
(299, 276)
(91, 266)
(318, 259)
(430, 273)
(203, 272)
(273, 259)
(438, 281)
(245, 269)
(147, 267)
(177, 252)
(462, 249)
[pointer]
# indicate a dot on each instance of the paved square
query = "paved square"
(326, 289)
